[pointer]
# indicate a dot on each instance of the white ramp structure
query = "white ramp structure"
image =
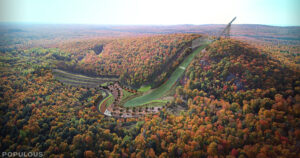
(107, 113)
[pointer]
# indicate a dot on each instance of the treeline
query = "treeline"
(137, 61)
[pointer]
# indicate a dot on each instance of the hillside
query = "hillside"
(240, 103)
(41, 113)
(137, 61)
(233, 70)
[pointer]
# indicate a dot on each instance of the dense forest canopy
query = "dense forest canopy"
(238, 98)
(136, 60)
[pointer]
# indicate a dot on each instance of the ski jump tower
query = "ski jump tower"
(226, 31)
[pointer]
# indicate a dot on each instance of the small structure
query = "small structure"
(107, 113)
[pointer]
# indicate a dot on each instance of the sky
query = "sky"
(151, 12)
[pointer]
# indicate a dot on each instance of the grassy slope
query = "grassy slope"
(110, 100)
(106, 99)
(144, 88)
(81, 77)
(126, 94)
(160, 91)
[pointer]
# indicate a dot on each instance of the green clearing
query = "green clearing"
(144, 88)
(81, 77)
(110, 100)
(80, 80)
(126, 94)
(62, 79)
(160, 91)
(106, 83)
(153, 104)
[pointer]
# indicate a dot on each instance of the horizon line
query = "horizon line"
(95, 24)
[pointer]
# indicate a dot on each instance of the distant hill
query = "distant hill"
(256, 31)
(18, 35)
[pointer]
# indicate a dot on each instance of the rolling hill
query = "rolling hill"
(240, 103)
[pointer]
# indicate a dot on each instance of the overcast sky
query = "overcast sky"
(158, 12)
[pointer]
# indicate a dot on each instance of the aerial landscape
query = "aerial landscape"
(88, 79)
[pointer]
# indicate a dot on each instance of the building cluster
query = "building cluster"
(117, 111)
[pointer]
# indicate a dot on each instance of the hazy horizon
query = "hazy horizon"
(134, 12)
(160, 25)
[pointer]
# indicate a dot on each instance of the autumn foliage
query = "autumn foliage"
(236, 100)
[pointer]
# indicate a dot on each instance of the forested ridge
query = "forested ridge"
(137, 61)
(240, 101)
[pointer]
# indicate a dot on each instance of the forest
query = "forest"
(136, 61)
(240, 97)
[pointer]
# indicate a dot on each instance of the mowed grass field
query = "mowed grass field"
(160, 91)
(80, 80)
(144, 88)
